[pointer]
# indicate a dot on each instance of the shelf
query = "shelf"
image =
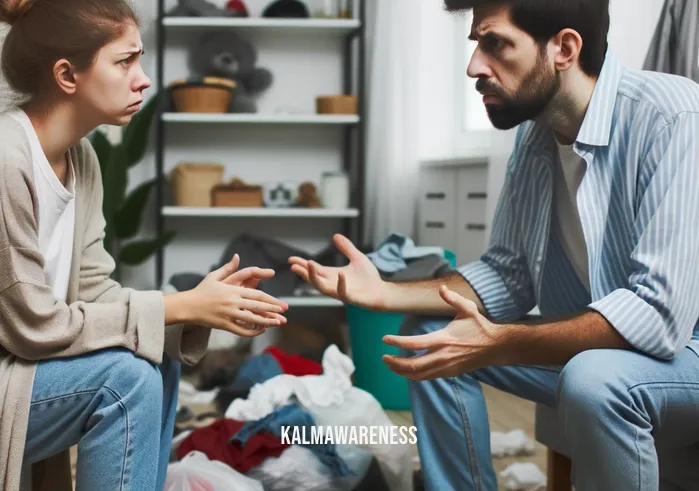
(332, 26)
(261, 118)
(311, 301)
(183, 211)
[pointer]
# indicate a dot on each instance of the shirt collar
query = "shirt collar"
(597, 125)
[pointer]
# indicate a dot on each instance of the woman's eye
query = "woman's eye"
(125, 63)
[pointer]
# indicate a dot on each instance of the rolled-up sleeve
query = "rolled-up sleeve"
(501, 276)
(658, 309)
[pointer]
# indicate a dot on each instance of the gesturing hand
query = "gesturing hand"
(227, 299)
(358, 283)
(467, 343)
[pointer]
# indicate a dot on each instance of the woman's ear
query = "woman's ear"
(64, 74)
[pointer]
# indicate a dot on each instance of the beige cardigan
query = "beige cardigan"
(98, 314)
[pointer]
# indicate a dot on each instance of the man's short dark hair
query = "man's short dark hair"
(543, 19)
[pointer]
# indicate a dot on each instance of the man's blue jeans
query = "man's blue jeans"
(631, 422)
(119, 409)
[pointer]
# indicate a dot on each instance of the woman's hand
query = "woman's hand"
(226, 299)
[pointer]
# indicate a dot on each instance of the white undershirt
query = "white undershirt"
(56, 213)
(569, 175)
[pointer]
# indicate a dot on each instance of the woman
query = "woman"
(81, 358)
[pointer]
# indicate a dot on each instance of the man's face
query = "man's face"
(513, 72)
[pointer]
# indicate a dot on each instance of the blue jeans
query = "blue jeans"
(631, 422)
(119, 409)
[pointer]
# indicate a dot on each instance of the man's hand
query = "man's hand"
(358, 283)
(467, 343)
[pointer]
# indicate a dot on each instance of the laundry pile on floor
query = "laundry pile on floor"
(239, 445)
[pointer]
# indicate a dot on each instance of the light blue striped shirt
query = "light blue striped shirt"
(639, 210)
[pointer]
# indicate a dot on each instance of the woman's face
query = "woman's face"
(112, 88)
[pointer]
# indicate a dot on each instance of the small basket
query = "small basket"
(337, 104)
(192, 183)
(208, 95)
(237, 194)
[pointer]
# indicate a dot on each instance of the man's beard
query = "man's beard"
(534, 94)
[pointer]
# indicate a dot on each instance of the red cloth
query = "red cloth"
(237, 6)
(213, 441)
(295, 364)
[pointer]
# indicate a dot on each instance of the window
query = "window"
(473, 130)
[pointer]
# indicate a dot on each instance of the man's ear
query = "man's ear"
(568, 45)
(64, 74)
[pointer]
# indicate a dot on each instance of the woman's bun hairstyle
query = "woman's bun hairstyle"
(12, 10)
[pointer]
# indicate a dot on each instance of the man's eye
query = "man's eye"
(492, 43)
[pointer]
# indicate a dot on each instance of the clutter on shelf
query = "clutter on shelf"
(202, 95)
(273, 389)
(201, 185)
(335, 190)
(292, 9)
(279, 195)
(192, 182)
(337, 104)
(237, 193)
(203, 8)
(308, 196)
(334, 9)
(228, 55)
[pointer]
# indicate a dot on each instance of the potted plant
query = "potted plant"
(124, 212)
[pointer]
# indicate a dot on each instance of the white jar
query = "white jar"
(334, 190)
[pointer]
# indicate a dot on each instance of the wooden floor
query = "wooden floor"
(506, 413)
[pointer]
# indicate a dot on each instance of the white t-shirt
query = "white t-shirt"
(56, 213)
(569, 175)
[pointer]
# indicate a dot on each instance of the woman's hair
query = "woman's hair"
(45, 31)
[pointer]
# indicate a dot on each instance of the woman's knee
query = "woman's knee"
(133, 377)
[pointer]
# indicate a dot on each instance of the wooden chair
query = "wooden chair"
(547, 433)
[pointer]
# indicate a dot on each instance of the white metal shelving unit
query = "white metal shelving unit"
(353, 126)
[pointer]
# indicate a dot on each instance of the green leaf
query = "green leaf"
(127, 220)
(114, 182)
(102, 146)
(138, 252)
(135, 134)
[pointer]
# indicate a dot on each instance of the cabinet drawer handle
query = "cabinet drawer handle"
(434, 224)
(477, 195)
(475, 226)
(436, 195)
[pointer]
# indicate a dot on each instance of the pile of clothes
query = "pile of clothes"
(242, 443)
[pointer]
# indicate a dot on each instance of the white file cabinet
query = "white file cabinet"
(453, 197)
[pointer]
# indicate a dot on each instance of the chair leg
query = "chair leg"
(558, 472)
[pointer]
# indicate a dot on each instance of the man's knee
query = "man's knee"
(589, 385)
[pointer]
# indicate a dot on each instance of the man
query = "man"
(598, 226)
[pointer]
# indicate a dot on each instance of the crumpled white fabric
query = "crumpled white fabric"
(316, 390)
(524, 477)
(332, 400)
(189, 396)
(513, 443)
(298, 469)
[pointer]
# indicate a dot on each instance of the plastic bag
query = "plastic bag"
(195, 472)
(298, 469)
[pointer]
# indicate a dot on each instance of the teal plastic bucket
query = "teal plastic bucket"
(367, 329)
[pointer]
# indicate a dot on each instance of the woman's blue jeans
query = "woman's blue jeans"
(119, 409)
